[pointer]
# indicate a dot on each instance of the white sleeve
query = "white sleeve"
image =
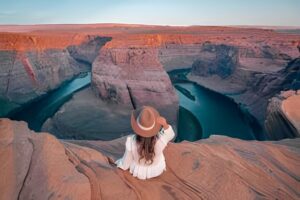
(167, 135)
(125, 161)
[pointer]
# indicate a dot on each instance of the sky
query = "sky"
(158, 12)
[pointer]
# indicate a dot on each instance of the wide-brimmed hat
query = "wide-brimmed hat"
(143, 121)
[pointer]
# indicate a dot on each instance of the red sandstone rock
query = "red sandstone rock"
(261, 54)
(283, 116)
(291, 107)
(35, 166)
(134, 77)
(38, 166)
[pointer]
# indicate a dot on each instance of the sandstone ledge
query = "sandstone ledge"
(291, 107)
(283, 118)
(38, 166)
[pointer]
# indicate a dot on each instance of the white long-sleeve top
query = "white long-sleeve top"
(141, 170)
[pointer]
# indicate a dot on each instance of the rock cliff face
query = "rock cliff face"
(220, 60)
(122, 79)
(250, 88)
(134, 77)
(27, 75)
(247, 65)
(38, 166)
(30, 72)
(250, 65)
(88, 50)
(86, 116)
(283, 116)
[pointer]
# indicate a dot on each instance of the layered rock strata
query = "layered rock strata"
(248, 64)
(38, 166)
(283, 116)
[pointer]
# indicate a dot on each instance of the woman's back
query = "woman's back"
(140, 167)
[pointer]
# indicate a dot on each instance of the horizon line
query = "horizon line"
(162, 25)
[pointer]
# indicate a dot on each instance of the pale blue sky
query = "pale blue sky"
(162, 12)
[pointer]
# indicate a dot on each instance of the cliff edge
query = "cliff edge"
(39, 166)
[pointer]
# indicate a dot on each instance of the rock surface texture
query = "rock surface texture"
(123, 78)
(283, 118)
(252, 88)
(129, 64)
(134, 77)
(30, 68)
(38, 166)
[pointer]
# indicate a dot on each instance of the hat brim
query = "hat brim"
(138, 130)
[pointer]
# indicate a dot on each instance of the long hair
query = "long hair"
(146, 148)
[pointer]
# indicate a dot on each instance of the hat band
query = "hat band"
(144, 128)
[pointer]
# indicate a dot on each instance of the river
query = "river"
(37, 112)
(202, 111)
(216, 113)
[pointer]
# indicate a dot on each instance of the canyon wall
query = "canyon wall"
(123, 78)
(134, 77)
(283, 115)
(30, 70)
(129, 62)
(39, 166)
(26, 75)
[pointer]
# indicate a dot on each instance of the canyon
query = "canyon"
(129, 64)
(76, 85)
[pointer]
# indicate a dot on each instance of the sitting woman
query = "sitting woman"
(144, 150)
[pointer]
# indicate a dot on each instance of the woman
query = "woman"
(144, 150)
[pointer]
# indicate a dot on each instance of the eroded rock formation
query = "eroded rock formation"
(30, 70)
(122, 79)
(250, 65)
(253, 88)
(38, 166)
(220, 60)
(283, 116)
(26, 75)
(134, 77)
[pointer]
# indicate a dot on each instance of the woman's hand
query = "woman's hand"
(162, 121)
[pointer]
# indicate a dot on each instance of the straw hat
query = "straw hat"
(143, 121)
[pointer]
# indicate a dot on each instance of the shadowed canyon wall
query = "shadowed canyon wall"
(128, 69)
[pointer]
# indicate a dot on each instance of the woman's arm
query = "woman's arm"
(168, 133)
(163, 122)
(125, 161)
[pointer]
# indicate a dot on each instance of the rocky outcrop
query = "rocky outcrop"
(38, 166)
(122, 79)
(35, 166)
(134, 77)
(88, 50)
(283, 116)
(221, 60)
(246, 66)
(88, 117)
(234, 61)
(29, 73)
(253, 89)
